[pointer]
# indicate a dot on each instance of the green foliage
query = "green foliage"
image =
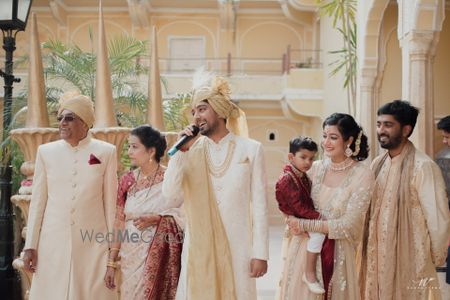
(338, 10)
(346, 55)
(176, 111)
(124, 159)
(73, 68)
(11, 155)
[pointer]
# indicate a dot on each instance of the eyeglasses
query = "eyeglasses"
(67, 118)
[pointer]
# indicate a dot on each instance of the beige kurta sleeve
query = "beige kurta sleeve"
(433, 200)
(110, 189)
(173, 177)
(175, 210)
(259, 207)
(38, 204)
(350, 225)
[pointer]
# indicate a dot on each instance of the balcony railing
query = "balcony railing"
(301, 59)
(228, 66)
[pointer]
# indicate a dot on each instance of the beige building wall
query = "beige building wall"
(335, 96)
(390, 61)
(276, 150)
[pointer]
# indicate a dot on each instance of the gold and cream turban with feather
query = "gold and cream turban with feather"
(216, 91)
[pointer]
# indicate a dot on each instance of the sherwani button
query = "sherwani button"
(74, 184)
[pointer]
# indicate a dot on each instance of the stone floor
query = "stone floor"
(268, 284)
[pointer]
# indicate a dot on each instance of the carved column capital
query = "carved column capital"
(421, 44)
(367, 79)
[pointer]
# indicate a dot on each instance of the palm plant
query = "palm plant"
(343, 13)
(68, 67)
(175, 111)
(73, 68)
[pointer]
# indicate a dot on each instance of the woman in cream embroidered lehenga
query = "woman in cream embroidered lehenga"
(341, 189)
(150, 262)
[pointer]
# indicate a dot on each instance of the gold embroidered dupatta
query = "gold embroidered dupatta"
(210, 271)
(409, 269)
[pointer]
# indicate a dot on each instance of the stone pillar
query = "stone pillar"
(366, 107)
(418, 84)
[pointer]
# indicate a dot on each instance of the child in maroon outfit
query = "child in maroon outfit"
(293, 193)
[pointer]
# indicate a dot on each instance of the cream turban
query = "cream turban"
(218, 96)
(80, 105)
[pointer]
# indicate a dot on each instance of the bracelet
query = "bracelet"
(310, 225)
(300, 225)
(114, 249)
(112, 264)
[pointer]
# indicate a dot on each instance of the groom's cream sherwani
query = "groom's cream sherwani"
(241, 195)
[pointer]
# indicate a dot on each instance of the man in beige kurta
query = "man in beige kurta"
(72, 207)
(408, 221)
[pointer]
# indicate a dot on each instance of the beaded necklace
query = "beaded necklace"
(219, 171)
(342, 166)
(135, 190)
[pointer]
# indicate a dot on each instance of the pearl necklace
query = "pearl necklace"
(342, 166)
(219, 171)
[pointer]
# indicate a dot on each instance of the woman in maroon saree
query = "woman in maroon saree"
(148, 236)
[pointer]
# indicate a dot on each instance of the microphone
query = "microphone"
(184, 139)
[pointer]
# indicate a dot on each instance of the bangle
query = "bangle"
(312, 225)
(114, 249)
(112, 264)
(300, 225)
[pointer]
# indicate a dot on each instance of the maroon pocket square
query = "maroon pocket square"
(93, 160)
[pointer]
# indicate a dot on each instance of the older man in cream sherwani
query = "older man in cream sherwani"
(72, 209)
(222, 177)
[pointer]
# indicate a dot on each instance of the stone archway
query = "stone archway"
(371, 14)
(418, 39)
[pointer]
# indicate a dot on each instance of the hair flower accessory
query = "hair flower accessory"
(93, 160)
